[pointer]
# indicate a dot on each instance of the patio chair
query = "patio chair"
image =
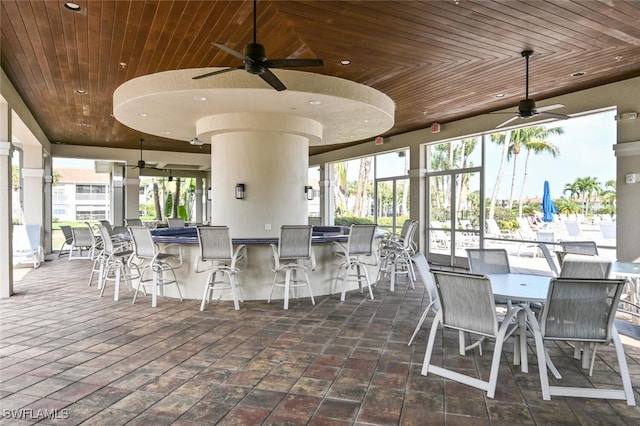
(148, 258)
(68, 239)
(82, 240)
(289, 257)
(573, 228)
(425, 274)
(359, 245)
(114, 261)
(582, 310)
(576, 265)
(488, 261)
(467, 305)
(549, 258)
(608, 230)
(581, 247)
(175, 222)
(27, 244)
(494, 231)
(133, 222)
(216, 250)
(395, 254)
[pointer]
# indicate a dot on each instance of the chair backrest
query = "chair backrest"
(573, 228)
(549, 258)
(488, 261)
(576, 265)
(107, 225)
(406, 226)
(425, 273)
(295, 242)
(175, 222)
(407, 239)
(525, 231)
(361, 239)
(82, 236)
(66, 231)
(143, 245)
(466, 302)
(215, 243)
(133, 222)
(580, 309)
(608, 230)
(581, 247)
(492, 227)
(106, 238)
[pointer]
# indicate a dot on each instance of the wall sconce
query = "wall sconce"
(239, 191)
(308, 190)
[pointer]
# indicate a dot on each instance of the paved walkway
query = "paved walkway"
(99, 362)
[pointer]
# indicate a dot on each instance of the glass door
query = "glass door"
(454, 216)
(392, 203)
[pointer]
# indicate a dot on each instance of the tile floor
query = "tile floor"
(68, 356)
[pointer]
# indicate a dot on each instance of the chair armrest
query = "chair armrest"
(339, 249)
(166, 251)
(274, 260)
(239, 256)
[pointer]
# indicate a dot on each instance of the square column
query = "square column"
(6, 227)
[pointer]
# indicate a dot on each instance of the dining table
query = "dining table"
(521, 288)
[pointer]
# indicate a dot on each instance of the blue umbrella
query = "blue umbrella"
(548, 208)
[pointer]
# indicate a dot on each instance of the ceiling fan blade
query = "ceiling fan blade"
(209, 74)
(272, 80)
(549, 107)
(293, 63)
(553, 115)
(229, 50)
(515, 117)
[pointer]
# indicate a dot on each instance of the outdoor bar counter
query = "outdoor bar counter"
(256, 280)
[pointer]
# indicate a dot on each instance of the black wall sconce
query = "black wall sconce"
(239, 191)
(308, 190)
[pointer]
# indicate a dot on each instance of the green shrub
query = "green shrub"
(352, 220)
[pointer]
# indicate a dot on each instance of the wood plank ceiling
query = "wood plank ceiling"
(438, 60)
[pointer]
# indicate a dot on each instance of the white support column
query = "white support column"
(199, 200)
(117, 196)
(132, 194)
(6, 227)
(48, 203)
(327, 207)
(33, 185)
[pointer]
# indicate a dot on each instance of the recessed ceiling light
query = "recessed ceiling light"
(345, 62)
(200, 98)
(578, 74)
(500, 95)
(142, 114)
(315, 102)
(123, 65)
(72, 6)
(618, 58)
(81, 92)
(166, 133)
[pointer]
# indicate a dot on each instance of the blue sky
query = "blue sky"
(586, 150)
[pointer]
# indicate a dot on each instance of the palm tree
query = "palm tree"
(340, 191)
(609, 196)
(588, 186)
(499, 138)
(361, 198)
(572, 189)
(567, 206)
(530, 139)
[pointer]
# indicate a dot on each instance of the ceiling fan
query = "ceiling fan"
(141, 163)
(527, 107)
(256, 62)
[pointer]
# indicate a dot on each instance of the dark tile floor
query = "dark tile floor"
(70, 357)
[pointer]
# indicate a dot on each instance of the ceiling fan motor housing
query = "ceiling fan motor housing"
(141, 164)
(527, 108)
(257, 56)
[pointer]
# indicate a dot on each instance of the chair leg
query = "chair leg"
(624, 368)
(419, 325)
(234, 290)
(430, 343)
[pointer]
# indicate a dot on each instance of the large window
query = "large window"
(91, 192)
(373, 189)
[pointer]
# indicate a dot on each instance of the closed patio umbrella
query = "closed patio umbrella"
(548, 208)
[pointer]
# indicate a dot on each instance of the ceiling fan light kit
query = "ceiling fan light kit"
(527, 107)
(197, 142)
